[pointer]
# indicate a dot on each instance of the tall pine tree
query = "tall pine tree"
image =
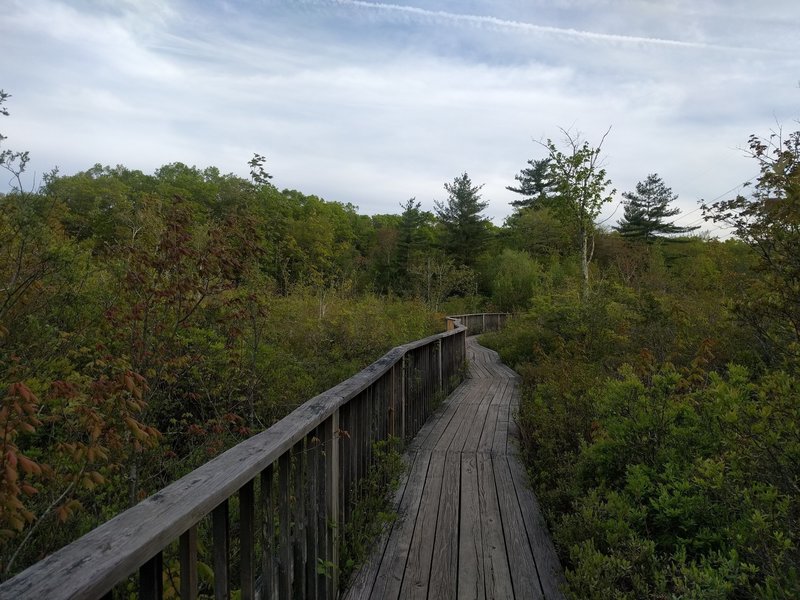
(647, 210)
(465, 231)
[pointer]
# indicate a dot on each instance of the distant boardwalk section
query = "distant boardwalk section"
(469, 525)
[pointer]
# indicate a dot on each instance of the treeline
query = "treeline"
(661, 413)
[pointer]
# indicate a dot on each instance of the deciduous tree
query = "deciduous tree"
(580, 187)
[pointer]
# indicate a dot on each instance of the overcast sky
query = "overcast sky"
(372, 102)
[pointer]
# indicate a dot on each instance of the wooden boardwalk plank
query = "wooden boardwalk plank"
(551, 577)
(497, 576)
(418, 568)
(470, 539)
(444, 575)
(524, 576)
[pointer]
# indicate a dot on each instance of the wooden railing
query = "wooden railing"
(275, 504)
(479, 322)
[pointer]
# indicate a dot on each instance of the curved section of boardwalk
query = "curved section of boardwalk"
(468, 524)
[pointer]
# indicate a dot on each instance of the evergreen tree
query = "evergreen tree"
(533, 184)
(647, 209)
(464, 229)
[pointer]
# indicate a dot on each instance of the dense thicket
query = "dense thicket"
(148, 322)
(661, 415)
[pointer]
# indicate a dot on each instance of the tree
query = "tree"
(769, 222)
(533, 185)
(465, 231)
(579, 185)
(646, 210)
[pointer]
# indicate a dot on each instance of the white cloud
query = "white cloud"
(373, 105)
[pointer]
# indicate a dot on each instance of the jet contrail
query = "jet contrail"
(529, 27)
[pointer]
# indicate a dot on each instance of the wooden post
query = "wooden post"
(441, 379)
(247, 510)
(332, 472)
(188, 558)
(403, 398)
(219, 525)
(267, 533)
(284, 547)
(150, 579)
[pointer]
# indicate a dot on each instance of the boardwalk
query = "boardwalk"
(469, 525)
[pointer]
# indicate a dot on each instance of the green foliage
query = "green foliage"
(515, 276)
(768, 222)
(579, 186)
(149, 322)
(532, 184)
(373, 507)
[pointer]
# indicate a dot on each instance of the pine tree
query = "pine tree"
(533, 184)
(465, 230)
(647, 210)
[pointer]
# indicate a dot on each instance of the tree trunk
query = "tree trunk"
(585, 258)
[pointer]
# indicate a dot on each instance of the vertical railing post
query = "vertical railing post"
(332, 472)
(247, 537)
(403, 398)
(441, 380)
(220, 537)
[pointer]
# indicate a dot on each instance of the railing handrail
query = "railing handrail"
(506, 314)
(123, 544)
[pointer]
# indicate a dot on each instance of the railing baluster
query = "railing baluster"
(298, 535)
(322, 511)
(220, 533)
(187, 549)
(309, 498)
(151, 582)
(332, 469)
(284, 562)
(247, 511)
(267, 534)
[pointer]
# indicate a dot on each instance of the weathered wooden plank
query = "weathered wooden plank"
(431, 432)
(489, 427)
(473, 435)
(470, 539)
(390, 572)
(444, 575)
(551, 575)
(524, 575)
(456, 429)
(418, 567)
(497, 576)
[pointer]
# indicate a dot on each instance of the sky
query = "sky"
(372, 102)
